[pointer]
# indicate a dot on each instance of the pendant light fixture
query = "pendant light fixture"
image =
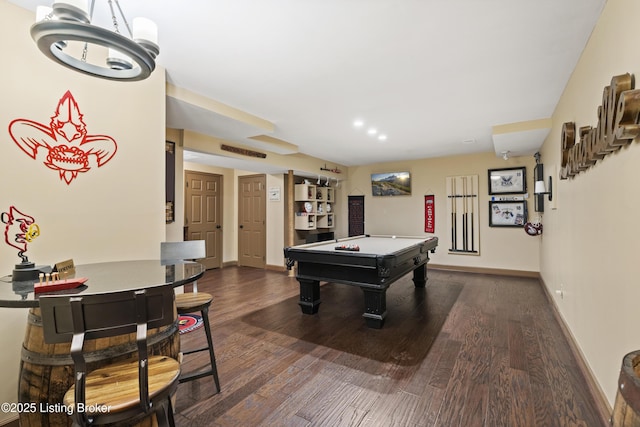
(66, 34)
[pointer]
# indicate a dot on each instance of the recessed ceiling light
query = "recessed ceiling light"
(372, 131)
(382, 137)
(358, 123)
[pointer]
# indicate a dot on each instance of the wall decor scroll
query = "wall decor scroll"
(65, 145)
(463, 215)
(508, 181)
(429, 213)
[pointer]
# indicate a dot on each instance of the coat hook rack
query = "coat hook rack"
(334, 170)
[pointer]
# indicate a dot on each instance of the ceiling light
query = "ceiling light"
(505, 155)
(358, 123)
(129, 58)
(372, 131)
(382, 137)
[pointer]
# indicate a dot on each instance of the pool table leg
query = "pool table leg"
(309, 296)
(420, 276)
(375, 307)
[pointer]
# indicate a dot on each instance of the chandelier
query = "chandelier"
(64, 33)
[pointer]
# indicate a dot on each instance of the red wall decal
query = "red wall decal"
(69, 149)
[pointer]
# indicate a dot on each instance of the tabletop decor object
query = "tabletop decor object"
(20, 230)
(54, 283)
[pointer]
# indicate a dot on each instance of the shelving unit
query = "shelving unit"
(325, 197)
(314, 207)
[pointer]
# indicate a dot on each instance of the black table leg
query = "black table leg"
(309, 296)
(420, 276)
(375, 307)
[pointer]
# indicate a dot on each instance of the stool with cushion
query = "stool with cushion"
(191, 302)
(130, 390)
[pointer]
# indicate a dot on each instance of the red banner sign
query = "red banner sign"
(429, 214)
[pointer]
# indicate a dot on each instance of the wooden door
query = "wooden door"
(203, 214)
(252, 211)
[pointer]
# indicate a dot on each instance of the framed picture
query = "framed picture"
(508, 214)
(391, 184)
(505, 181)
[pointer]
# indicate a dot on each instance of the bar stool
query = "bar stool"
(191, 302)
(129, 390)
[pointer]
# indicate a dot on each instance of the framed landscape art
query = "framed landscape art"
(391, 184)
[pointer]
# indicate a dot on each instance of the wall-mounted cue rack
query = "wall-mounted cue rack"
(463, 214)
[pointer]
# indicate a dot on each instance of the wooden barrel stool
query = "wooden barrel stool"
(626, 410)
(46, 370)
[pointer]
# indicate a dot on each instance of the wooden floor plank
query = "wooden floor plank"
(500, 397)
(469, 350)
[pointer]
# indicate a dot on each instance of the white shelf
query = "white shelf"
(320, 200)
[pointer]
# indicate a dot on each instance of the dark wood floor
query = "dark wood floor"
(470, 350)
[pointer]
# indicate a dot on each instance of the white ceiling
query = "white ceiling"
(435, 76)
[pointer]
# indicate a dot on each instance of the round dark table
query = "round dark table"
(107, 277)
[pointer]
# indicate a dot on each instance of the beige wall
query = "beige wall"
(590, 243)
(428, 177)
(500, 248)
(109, 213)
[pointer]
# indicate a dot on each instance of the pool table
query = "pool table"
(371, 262)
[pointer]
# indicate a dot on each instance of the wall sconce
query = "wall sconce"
(539, 188)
